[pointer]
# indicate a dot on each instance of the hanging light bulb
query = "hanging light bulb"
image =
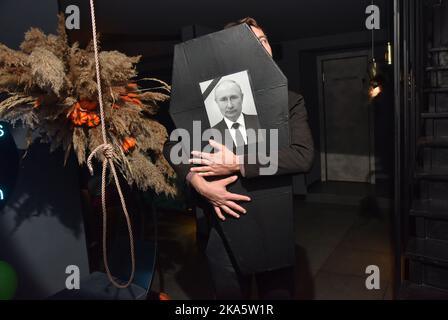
(375, 87)
(388, 54)
(374, 90)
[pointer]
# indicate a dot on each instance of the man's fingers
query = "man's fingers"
(200, 161)
(235, 206)
(215, 144)
(203, 155)
(230, 211)
(201, 169)
(219, 214)
(196, 154)
(237, 197)
(208, 174)
(229, 180)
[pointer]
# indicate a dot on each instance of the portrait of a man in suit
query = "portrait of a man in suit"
(229, 99)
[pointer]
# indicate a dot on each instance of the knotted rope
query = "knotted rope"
(107, 151)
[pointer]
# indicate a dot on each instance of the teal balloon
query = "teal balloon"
(8, 281)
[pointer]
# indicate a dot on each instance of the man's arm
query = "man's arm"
(182, 169)
(214, 191)
(298, 155)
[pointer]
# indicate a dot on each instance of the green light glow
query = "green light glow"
(8, 281)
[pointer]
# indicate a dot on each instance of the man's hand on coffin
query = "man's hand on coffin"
(216, 193)
(222, 162)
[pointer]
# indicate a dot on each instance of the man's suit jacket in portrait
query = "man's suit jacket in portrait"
(250, 122)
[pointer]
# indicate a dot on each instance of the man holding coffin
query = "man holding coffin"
(211, 174)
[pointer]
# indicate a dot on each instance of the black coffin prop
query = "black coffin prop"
(262, 239)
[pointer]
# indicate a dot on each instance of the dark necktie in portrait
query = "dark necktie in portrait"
(239, 140)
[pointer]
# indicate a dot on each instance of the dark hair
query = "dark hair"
(251, 22)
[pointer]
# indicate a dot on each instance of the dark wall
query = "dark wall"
(282, 19)
(16, 17)
(299, 63)
(41, 227)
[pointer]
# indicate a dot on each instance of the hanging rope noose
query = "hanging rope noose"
(107, 151)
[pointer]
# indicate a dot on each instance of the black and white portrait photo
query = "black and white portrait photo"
(230, 105)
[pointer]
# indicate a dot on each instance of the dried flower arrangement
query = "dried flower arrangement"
(52, 90)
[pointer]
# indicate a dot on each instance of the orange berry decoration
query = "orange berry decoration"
(128, 144)
(87, 105)
(132, 98)
(163, 296)
(79, 116)
(93, 120)
(37, 102)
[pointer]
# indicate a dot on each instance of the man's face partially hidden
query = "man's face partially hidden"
(263, 39)
(229, 98)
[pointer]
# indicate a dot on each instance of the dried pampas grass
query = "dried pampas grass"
(52, 89)
(117, 67)
(47, 70)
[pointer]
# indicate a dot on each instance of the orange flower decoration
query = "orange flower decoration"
(38, 102)
(128, 144)
(79, 116)
(132, 98)
(93, 120)
(88, 105)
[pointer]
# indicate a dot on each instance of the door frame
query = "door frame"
(320, 82)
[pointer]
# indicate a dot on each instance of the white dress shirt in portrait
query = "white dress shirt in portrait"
(242, 127)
